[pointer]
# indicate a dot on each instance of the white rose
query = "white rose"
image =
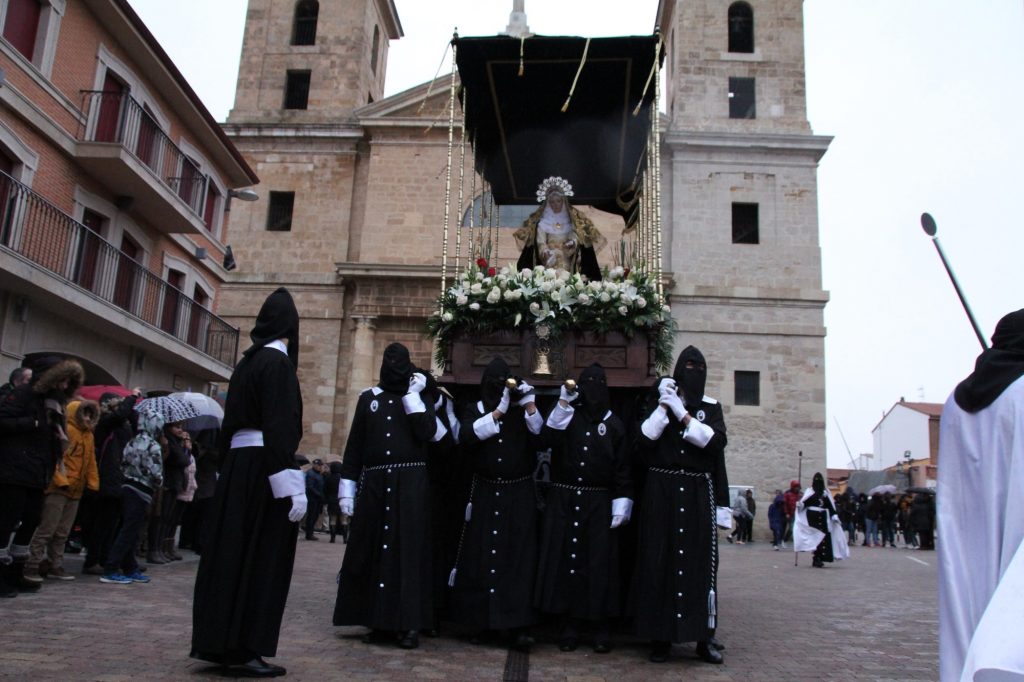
(623, 310)
(516, 295)
(584, 299)
(545, 287)
(564, 275)
(556, 295)
(665, 309)
(526, 273)
(447, 317)
(550, 273)
(641, 302)
(478, 276)
(605, 298)
(509, 295)
(462, 300)
(474, 306)
(494, 295)
(617, 272)
(477, 288)
(535, 307)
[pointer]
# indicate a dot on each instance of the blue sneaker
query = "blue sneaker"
(116, 579)
(137, 577)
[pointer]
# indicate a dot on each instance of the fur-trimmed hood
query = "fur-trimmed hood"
(49, 379)
(83, 414)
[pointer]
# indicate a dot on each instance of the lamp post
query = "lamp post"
(903, 466)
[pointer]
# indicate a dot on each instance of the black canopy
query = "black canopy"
(521, 134)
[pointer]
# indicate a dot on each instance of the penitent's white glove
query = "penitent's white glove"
(667, 385)
(298, 509)
(674, 403)
(417, 382)
(563, 394)
(526, 390)
(347, 496)
(622, 510)
(505, 400)
(347, 505)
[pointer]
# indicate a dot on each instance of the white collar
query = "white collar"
(277, 344)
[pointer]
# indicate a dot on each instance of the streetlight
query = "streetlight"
(903, 466)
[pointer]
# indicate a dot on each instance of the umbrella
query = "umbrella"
(210, 413)
(301, 460)
(171, 409)
(95, 392)
(921, 489)
(884, 488)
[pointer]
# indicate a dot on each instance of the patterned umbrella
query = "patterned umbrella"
(171, 409)
(211, 414)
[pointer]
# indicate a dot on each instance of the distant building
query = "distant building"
(907, 431)
(114, 190)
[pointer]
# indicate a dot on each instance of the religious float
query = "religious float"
(553, 123)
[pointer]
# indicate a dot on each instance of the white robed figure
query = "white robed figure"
(808, 533)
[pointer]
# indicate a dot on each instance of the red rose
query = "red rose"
(481, 263)
(490, 271)
(625, 272)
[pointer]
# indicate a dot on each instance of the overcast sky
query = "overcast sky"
(923, 98)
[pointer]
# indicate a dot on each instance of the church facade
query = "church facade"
(352, 206)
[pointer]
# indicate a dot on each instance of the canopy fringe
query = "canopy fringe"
(583, 61)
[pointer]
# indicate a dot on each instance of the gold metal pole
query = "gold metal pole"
(448, 177)
(462, 183)
(657, 166)
(497, 228)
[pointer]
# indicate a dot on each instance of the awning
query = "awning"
(520, 133)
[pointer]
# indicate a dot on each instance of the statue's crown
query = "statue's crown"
(553, 184)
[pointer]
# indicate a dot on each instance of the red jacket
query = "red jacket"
(790, 498)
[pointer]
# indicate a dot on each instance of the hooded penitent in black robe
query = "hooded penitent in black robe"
(578, 566)
(492, 583)
(249, 543)
(386, 580)
(673, 593)
(820, 510)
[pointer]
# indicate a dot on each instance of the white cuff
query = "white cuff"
(413, 403)
(288, 482)
(698, 433)
(723, 517)
(560, 417)
(485, 427)
(622, 506)
(456, 426)
(439, 430)
(534, 422)
(346, 488)
(655, 425)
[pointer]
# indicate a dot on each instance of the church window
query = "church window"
(296, 92)
(741, 98)
(744, 223)
(279, 214)
(304, 28)
(748, 388)
(374, 49)
(741, 27)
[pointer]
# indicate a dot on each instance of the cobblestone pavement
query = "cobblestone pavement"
(871, 618)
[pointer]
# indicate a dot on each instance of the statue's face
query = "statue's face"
(556, 201)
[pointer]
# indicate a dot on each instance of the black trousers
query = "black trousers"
(133, 518)
(312, 516)
(18, 503)
(102, 529)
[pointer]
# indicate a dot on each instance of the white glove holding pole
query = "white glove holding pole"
(564, 394)
(504, 402)
(417, 382)
(347, 505)
(673, 402)
(298, 510)
(347, 497)
(667, 385)
(526, 390)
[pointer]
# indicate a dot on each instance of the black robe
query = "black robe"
(673, 592)
(494, 573)
(821, 520)
(386, 580)
(578, 566)
(249, 543)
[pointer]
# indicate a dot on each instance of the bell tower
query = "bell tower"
(311, 62)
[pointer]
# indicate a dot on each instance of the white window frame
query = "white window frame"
(26, 161)
(50, 14)
(207, 169)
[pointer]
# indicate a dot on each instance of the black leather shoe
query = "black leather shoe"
(568, 644)
(715, 644)
(708, 654)
(409, 640)
(376, 637)
(257, 667)
(659, 652)
(523, 642)
(602, 646)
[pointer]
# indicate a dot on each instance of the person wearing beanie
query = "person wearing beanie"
(33, 438)
(245, 569)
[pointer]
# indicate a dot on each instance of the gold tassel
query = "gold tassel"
(650, 76)
(583, 61)
(522, 43)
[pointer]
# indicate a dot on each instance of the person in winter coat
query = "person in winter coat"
(791, 497)
(331, 490)
(177, 458)
(143, 470)
(75, 472)
(115, 428)
(741, 514)
(777, 519)
(922, 518)
(33, 436)
(872, 514)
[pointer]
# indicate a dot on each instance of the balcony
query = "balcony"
(42, 234)
(123, 147)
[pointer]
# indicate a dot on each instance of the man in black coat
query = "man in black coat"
(315, 495)
(33, 436)
(682, 442)
(493, 578)
(249, 547)
(386, 579)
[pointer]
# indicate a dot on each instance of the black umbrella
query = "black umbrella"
(920, 489)
(301, 459)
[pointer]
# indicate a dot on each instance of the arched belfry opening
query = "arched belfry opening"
(741, 27)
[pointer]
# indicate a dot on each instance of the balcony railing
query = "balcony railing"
(42, 233)
(116, 117)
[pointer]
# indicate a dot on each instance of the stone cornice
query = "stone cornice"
(774, 143)
(371, 271)
(295, 131)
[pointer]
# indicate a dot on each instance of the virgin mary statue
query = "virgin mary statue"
(557, 235)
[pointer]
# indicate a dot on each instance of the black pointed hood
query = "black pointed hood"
(996, 368)
(818, 483)
(691, 381)
(278, 319)
(593, 388)
(492, 383)
(396, 369)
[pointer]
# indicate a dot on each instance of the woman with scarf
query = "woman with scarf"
(386, 581)
(590, 496)
(557, 235)
(493, 579)
(682, 442)
(246, 566)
